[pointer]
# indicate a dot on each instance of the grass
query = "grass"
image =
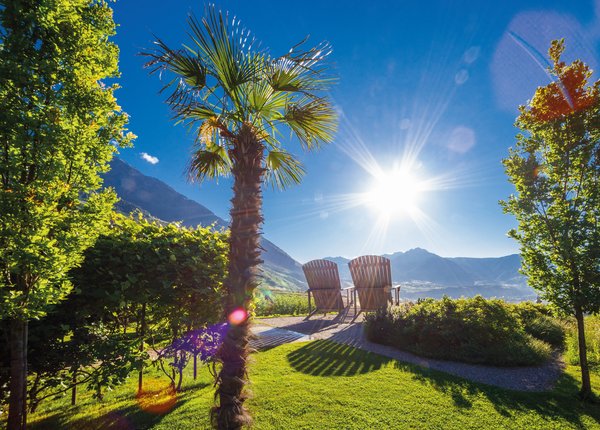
(269, 304)
(323, 385)
(592, 337)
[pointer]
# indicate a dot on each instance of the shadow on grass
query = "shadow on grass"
(272, 338)
(324, 358)
(144, 414)
(560, 403)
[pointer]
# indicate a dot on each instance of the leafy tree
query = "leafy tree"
(174, 273)
(59, 127)
(162, 279)
(240, 98)
(555, 168)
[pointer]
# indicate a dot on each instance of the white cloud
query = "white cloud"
(149, 158)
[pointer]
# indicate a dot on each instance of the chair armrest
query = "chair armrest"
(396, 286)
(348, 288)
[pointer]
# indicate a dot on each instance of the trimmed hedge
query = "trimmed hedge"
(473, 330)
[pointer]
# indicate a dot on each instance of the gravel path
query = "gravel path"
(346, 329)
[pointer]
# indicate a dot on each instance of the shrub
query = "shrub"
(537, 322)
(546, 329)
(473, 330)
(592, 341)
(269, 304)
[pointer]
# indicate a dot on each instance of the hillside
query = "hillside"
(154, 197)
(424, 274)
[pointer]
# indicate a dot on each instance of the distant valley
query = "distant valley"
(422, 273)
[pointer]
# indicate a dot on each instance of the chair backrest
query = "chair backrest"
(321, 274)
(324, 284)
(371, 271)
(372, 279)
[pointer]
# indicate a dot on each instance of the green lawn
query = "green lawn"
(323, 385)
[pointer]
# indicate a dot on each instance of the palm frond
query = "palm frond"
(209, 162)
(191, 73)
(263, 101)
(228, 50)
(207, 131)
(313, 121)
(302, 71)
(283, 170)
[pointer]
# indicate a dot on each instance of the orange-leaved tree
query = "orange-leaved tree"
(555, 167)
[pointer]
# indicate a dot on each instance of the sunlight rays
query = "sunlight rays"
(395, 189)
(395, 194)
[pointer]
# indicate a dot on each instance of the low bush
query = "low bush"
(268, 303)
(592, 341)
(538, 322)
(473, 330)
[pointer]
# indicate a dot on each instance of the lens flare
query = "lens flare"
(157, 397)
(238, 316)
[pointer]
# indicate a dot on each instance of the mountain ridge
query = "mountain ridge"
(158, 199)
(415, 266)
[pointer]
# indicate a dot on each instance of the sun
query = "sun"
(394, 192)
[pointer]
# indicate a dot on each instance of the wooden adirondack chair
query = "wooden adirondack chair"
(372, 279)
(324, 285)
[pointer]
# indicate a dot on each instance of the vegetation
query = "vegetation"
(319, 385)
(472, 330)
(592, 346)
(142, 287)
(538, 322)
(241, 99)
(268, 303)
(59, 127)
(555, 168)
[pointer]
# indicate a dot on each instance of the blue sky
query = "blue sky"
(438, 82)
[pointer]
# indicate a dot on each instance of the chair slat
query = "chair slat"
(372, 278)
(324, 283)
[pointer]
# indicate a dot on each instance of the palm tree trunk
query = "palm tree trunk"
(17, 410)
(244, 257)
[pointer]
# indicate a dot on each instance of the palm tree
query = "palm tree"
(239, 99)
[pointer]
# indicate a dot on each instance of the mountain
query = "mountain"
(502, 269)
(424, 274)
(155, 198)
(420, 265)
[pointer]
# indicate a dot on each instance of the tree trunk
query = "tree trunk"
(195, 365)
(74, 389)
(33, 393)
(17, 410)
(586, 386)
(180, 369)
(244, 257)
(142, 334)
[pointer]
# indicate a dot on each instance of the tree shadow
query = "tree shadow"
(325, 358)
(313, 326)
(561, 402)
(145, 413)
(272, 338)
